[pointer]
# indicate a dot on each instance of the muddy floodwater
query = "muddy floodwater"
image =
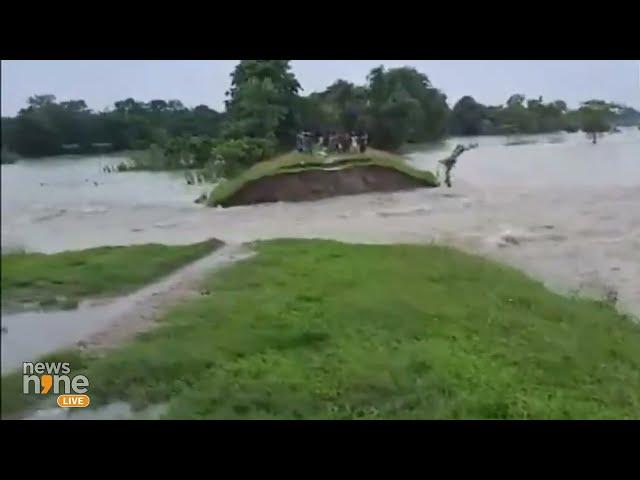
(563, 210)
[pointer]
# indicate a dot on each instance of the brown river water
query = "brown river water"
(559, 208)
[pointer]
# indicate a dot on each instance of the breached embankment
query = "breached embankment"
(297, 177)
(315, 184)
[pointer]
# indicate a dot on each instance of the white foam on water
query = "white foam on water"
(589, 193)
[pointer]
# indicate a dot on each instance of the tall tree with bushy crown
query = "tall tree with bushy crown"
(262, 100)
(404, 106)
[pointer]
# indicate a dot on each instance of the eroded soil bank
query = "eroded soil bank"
(317, 183)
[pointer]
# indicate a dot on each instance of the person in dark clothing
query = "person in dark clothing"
(345, 142)
(325, 140)
(362, 142)
(336, 142)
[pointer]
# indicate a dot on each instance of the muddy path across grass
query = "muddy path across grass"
(102, 324)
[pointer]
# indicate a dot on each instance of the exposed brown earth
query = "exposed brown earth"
(322, 183)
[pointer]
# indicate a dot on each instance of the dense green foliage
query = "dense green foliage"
(262, 101)
(321, 329)
(595, 116)
(627, 116)
(396, 106)
(62, 279)
(236, 154)
(519, 115)
(214, 157)
(47, 127)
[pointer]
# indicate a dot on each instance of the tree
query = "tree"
(39, 101)
(594, 116)
(256, 110)
(515, 100)
(278, 71)
(74, 106)
(626, 116)
(429, 119)
(467, 117)
(45, 127)
(128, 106)
(339, 92)
(377, 85)
(157, 105)
(392, 122)
(317, 114)
(516, 118)
(534, 104)
(264, 106)
(175, 106)
(404, 106)
(560, 105)
(267, 88)
(202, 110)
(34, 136)
(343, 104)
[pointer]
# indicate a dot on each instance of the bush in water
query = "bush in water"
(216, 156)
(230, 156)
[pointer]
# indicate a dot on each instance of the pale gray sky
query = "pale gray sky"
(101, 82)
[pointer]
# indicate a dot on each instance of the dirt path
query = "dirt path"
(106, 323)
(145, 306)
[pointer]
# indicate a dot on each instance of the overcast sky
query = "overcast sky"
(194, 82)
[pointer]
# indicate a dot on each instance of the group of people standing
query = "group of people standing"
(332, 142)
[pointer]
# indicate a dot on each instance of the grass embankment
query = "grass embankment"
(62, 279)
(321, 329)
(298, 162)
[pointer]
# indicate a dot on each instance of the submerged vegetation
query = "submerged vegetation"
(208, 158)
(321, 329)
(62, 279)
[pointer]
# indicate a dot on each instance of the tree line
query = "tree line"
(526, 116)
(265, 104)
(47, 127)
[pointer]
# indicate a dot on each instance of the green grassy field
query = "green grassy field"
(62, 279)
(321, 329)
(298, 162)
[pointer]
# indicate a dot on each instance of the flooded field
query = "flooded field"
(105, 323)
(563, 210)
